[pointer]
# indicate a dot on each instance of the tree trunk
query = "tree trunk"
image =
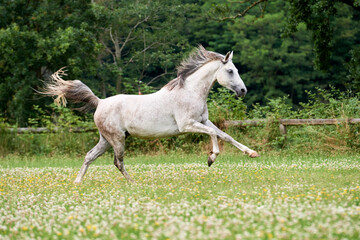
(118, 84)
(103, 89)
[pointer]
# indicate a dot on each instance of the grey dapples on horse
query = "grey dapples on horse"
(179, 107)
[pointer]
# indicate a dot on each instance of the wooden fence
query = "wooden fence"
(241, 123)
(291, 122)
(47, 130)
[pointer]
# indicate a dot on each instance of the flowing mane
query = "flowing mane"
(198, 58)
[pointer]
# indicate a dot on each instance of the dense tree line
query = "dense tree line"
(280, 47)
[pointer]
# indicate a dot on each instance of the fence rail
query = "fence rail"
(291, 122)
(47, 130)
(228, 123)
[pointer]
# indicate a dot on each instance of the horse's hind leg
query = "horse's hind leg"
(117, 141)
(94, 153)
(119, 163)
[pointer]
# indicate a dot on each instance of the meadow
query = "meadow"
(177, 196)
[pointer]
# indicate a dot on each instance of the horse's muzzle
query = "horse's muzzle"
(240, 92)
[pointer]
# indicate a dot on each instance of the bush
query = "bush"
(322, 104)
(222, 106)
(63, 141)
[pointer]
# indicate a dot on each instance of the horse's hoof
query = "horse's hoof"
(77, 182)
(210, 161)
(254, 154)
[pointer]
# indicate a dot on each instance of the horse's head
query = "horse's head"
(228, 76)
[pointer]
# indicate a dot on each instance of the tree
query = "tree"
(142, 42)
(318, 15)
(354, 69)
(321, 20)
(273, 66)
(38, 37)
(113, 46)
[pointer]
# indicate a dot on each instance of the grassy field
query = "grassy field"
(177, 196)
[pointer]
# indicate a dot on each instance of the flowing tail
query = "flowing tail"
(74, 91)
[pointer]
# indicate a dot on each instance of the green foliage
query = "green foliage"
(134, 46)
(322, 18)
(316, 15)
(332, 104)
(354, 69)
(272, 67)
(41, 118)
(59, 117)
(38, 37)
(223, 105)
(274, 109)
(144, 41)
(47, 144)
(278, 43)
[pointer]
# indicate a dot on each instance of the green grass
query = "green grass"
(177, 196)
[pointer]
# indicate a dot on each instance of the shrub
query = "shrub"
(331, 103)
(222, 106)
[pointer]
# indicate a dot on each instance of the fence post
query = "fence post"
(282, 129)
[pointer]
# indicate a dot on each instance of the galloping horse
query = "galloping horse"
(177, 108)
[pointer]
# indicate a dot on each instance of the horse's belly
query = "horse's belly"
(152, 127)
(154, 131)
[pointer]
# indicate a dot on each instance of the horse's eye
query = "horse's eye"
(230, 71)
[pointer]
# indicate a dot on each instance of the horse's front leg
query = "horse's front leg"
(197, 127)
(226, 137)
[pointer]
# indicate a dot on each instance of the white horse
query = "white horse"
(177, 108)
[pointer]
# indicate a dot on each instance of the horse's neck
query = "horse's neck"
(203, 79)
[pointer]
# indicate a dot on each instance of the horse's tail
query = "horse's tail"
(75, 91)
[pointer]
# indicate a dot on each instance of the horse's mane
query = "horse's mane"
(197, 58)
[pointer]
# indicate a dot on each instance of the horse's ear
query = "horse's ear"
(228, 57)
(202, 49)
